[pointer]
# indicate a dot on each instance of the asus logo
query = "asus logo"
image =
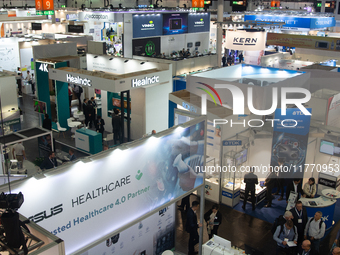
(45, 215)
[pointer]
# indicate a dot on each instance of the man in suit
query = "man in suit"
(192, 226)
(90, 112)
(306, 248)
(116, 126)
(270, 183)
(300, 219)
(213, 218)
(295, 186)
(100, 125)
(250, 179)
(71, 154)
(49, 162)
(47, 123)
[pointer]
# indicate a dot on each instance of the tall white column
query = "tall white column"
(220, 6)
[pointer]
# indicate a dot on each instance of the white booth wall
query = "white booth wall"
(315, 55)
(8, 93)
(9, 57)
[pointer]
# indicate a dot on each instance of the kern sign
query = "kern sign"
(245, 40)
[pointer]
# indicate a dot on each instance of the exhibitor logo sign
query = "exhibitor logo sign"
(95, 16)
(239, 103)
(143, 82)
(244, 41)
(199, 23)
(148, 26)
(77, 80)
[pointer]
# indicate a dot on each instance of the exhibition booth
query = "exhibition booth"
(259, 143)
(145, 86)
(139, 193)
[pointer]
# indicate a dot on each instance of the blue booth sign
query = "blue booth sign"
(295, 22)
(232, 143)
(198, 22)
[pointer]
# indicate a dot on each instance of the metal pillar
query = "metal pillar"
(323, 3)
(220, 7)
(202, 205)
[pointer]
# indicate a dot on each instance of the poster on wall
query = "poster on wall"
(104, 198)
(175, 23)
(9, 54)
(151, 236)
(198, 22)
(333, 111)
(245, 40)
(290, 141)
(147, 25)
(147, 47)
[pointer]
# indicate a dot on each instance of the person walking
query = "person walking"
(85, 112)
(224, 60)
(250, 179)
(116, 126)
(191, 227)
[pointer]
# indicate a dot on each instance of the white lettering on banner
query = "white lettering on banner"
(95, 16)
(148, 25)
(145, 81)
(43, 68)
(323, 22)
(78, 80)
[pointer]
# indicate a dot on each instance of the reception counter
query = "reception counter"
(322, 204)
(88, 140)
(260, 193)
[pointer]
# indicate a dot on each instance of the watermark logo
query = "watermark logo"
(239, 103)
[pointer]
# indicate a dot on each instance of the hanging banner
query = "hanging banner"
(197, 3)
(304, 41)
(333, 111)
(87, 201)
(290, 141)
(245, 40)
(97, 16)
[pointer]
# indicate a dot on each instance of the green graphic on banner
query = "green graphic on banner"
(150, 48)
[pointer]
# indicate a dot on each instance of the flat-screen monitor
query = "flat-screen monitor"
(36, 26)
(39, 106)
(75, 29)
(189, 45)
(197, 44)
(241, 157)
(327, 5)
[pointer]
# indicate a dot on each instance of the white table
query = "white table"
(331, 193)
(73, 125)
(77, 114)
(211, 248)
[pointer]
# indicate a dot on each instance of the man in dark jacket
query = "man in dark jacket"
(116, 126)
(47, 123)
(192, 226)
(270, 183)
(90, 112)
(49, 162)
(300, 219)
(295, 186)
(213, 218)
(100, 125)
(250, 179)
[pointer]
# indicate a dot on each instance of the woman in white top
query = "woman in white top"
(310, 188)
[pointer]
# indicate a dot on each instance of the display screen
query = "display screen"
(327, 5)
(75, 29)
(197, 44)
(241, 157)
(189, 45)
(175, 23)
(36, 26)
(39, 106)
(147, 47)
(330, 148)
